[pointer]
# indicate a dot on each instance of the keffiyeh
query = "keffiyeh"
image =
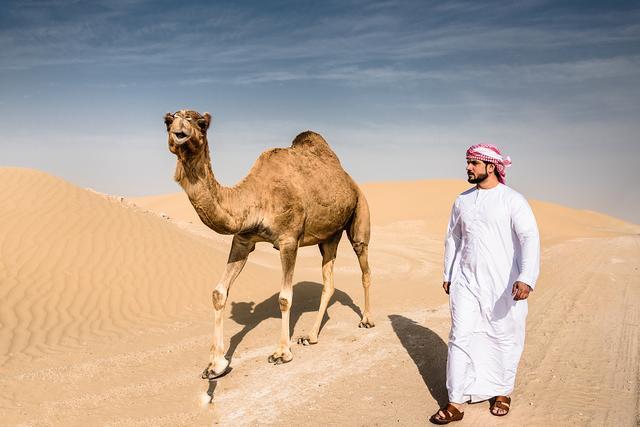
(490, 153)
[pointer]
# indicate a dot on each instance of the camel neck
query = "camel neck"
(214, 204)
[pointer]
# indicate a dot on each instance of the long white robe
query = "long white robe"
(492, 242)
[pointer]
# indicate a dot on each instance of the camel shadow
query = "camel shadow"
(306, 298)
(211, 390)
(429, 353)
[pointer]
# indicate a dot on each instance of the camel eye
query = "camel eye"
(202, 124)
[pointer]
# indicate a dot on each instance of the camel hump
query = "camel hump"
(308, 138)
(312, 143)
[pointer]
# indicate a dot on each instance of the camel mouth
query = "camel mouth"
(180, 137)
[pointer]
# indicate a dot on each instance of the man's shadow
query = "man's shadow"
(306, 298)
(429, 353)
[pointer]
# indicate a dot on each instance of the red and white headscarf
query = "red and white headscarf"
(489, 153)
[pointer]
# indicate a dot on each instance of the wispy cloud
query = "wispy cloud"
(238, 40)
(502, 75)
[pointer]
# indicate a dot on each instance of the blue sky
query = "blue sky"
(399, 89)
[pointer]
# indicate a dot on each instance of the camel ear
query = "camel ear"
(205, 122)
(168, 119)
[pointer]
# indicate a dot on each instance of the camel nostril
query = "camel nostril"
(180, 135)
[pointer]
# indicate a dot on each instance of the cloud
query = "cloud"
(241, 39)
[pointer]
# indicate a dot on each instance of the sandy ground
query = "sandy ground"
(105, 317)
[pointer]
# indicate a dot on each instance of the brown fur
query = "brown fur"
(295, 196)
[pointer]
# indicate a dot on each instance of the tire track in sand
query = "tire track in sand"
(581, 355)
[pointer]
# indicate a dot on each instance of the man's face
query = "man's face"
(477, 171)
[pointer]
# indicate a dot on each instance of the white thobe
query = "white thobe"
(492, 242)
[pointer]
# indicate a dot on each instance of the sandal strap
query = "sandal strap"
(501, 405)
(503, 399)
(451, 410)
(449, 413)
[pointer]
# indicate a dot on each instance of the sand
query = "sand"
(106, 317)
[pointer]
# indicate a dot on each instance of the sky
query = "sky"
(399, 89)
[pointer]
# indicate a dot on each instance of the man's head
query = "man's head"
(484, 160)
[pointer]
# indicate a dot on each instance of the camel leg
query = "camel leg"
(328, 250)
(288, 252)
(363, 258)
(359, 233)
(240, 250)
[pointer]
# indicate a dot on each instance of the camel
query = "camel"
(292, 197)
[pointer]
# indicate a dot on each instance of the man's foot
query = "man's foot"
(500, 406)
(446, 415)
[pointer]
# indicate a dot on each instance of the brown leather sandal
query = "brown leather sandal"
(500, 402)
(451, 413)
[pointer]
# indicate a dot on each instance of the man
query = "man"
(491, 263)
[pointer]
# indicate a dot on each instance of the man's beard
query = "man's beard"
(477, 179)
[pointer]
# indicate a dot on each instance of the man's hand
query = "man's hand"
(520, 291)
(445, 286)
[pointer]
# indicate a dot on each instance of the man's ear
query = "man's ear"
(491, 167)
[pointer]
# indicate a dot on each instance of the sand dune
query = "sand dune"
(430, 203)
(106, 317)
(78, 266)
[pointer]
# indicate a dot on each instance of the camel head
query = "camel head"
(187, 131)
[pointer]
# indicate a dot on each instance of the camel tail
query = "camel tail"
(359, 230)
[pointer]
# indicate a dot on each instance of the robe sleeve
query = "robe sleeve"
(452, 242)
(525, 227)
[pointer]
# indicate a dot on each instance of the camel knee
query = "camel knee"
(328, 286)
(285, 303)
(359, 248)
(219, 298)
(328, 291)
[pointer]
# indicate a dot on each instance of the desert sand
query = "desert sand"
(106, 317)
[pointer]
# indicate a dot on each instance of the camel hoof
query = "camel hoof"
(306, 341)
(210, 374)
(279, 360)
(366, 324)
(276, 360)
